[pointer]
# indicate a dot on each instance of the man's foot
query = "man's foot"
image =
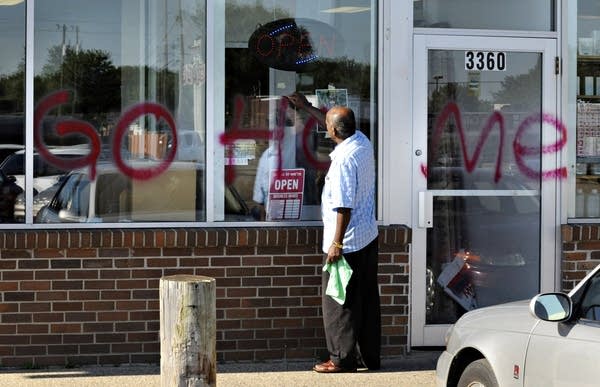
(328, 368)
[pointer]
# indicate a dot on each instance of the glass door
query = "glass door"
(484, 176)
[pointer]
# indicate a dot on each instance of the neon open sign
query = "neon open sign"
(294, 44)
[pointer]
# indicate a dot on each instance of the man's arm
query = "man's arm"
(300, 101)
(342, 221)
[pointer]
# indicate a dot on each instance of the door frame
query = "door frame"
(422, 334)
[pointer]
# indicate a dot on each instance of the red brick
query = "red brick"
(65, 263)
(100, 284)
(137, 326)
(131, 305)
(94, 348)
(28, 307)
(148, 273)
(62, 349)
(142, 336)
(50, 274)
(15, 253)
(33, 264)
(48, 253)
(114, 274)
(49, 317)
(67, 306)
(81, 253)
(97, 263)
(111, 337)
(98, 327)
(115, 294)
(143, 315)
(131, 284)
(32, 328)
(17, 275)
(130, 262)
(80, 316)
(225, 261)
(256, 261)
(67, 285)
(240, 313)
(8, 265)
(82, 274)
(7, 286)
(78, 339)
(30, 350)
(113, 316)
(65, 328)
(46, 339)
(19, 296)
(35, 285)
(99, 305)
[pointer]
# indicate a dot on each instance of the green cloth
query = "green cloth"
(339, 276)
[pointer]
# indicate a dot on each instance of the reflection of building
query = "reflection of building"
(193, 58)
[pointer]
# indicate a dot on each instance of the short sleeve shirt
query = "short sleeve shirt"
(350, 183)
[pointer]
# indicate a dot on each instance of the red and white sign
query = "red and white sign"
(285, 194)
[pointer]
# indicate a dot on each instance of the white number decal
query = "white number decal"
(485, 60)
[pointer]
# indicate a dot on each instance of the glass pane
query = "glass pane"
(12, 108)
(588, 110)
(531, 15)
(484, 160)
(325, 50)
(120, 94)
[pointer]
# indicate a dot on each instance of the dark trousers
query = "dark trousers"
(353, 330)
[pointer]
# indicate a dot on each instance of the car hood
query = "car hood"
(513, 317)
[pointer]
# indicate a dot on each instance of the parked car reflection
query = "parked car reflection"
(9, 191)
(175, 195)
(485, 234)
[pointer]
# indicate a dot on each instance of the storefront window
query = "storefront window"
(277, 155)
(531, 15)
(12, 102)
(587, 199)
(119, 125)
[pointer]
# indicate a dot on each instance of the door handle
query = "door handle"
(425, 209)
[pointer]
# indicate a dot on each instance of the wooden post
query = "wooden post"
(188, 332)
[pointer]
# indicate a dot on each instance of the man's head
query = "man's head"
(340, 122)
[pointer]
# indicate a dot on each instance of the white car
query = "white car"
(550, 340)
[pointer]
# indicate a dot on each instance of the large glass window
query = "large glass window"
(120, 109)
(530, 15)
(588, 110)
(12, 100)
(276, 153)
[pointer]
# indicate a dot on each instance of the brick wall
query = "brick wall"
(72, 297)
(581, 252)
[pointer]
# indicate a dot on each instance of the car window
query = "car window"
(113, 197)
(64, 196)
(590, 304)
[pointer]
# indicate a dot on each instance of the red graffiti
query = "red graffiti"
(65, 127)
(520, 150)
(236, 133)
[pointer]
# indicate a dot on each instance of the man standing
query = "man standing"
(353, 329)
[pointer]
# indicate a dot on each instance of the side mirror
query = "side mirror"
(555, 307)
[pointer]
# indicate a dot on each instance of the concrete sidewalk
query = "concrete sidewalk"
(415, 369)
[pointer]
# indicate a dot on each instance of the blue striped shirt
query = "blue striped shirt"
(350, 183)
